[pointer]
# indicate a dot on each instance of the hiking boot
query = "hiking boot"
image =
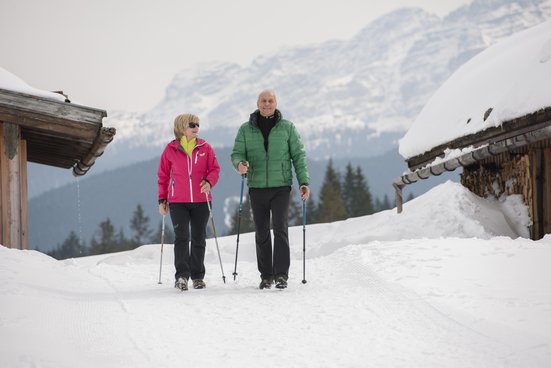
(181, 283)
(199, 284)
(265, 284)
(281, 282)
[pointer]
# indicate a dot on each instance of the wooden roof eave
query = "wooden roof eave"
(104, 137)
(60, 134)
(476, 155)
(509, 129)
(469, 158)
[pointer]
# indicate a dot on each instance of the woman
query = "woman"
(188, 170)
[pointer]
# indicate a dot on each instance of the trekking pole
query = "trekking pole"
(239, 224)
(304, 242)
(215, 238)
(162, 244)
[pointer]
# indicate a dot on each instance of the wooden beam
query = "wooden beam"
(44, 106)
(44, 123)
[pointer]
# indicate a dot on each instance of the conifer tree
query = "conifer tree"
(169, 234)
(70, 248)
(123, 243)
(331, 204)
(311, 211)
(140, 225)
(363, 202)
(385, 204)
(107, 240)
(356, 194)
(349, 189)
(247, 223)
(295, 210)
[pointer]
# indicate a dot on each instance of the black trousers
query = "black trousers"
(271, 204)
(189, 262)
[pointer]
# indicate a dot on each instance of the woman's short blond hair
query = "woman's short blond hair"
(181, 122)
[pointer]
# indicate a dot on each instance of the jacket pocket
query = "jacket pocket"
(171, 189)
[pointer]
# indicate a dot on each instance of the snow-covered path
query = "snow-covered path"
(418, 302)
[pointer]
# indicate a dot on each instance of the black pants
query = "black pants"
(274, 202)
(189, 263)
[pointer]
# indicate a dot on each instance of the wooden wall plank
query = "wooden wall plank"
(536, 159)
(3, 190)
(547, 191)
(24, 196)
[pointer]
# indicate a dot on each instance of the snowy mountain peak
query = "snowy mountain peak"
(356, 97)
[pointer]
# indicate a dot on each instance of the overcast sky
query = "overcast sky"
(121, 54)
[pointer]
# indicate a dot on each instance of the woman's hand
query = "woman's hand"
(205, 186)
(163, 208)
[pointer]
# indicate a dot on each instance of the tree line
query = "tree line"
(109, 240)
(341, 196)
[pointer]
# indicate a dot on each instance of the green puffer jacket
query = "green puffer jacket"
(273, 168)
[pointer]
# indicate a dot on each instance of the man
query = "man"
(266, 147)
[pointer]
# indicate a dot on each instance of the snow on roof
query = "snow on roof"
(12, 82)
(512, 77)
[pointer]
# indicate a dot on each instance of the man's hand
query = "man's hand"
(243, 167)
(304, 192)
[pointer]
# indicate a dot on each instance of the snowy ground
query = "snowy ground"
(444, 284)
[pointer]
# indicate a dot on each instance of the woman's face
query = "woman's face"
(191, 131)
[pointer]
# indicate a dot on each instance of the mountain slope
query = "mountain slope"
(353, 97)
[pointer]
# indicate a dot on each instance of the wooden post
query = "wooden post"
(399, 200)
(13, 187)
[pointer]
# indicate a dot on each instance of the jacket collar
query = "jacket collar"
(176, 143)
(253, 118)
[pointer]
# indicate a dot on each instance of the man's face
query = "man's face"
(266, 104)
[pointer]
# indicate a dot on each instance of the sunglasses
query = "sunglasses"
(193, 125)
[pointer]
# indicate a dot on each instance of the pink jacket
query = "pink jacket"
(180, 176)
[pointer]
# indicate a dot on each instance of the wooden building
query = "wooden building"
(492, 117)
(46, 131)
(514, 158)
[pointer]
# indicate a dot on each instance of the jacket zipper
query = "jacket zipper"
(189, 171)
